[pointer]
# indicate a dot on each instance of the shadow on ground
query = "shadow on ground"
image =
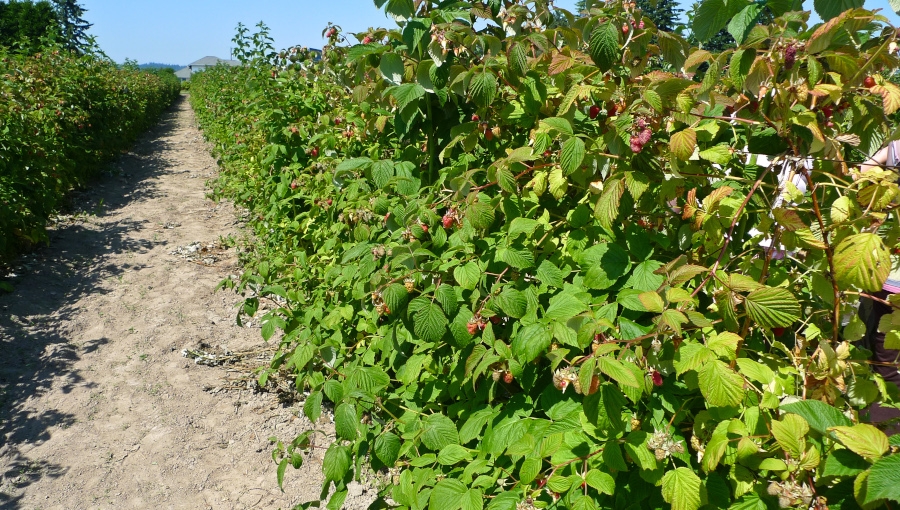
(36, 353)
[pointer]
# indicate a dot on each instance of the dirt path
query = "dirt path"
(98, 406)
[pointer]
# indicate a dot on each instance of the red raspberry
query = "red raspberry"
(624, 28)
(869, 82)
(475, 117)
(472, 328)
(657, 378)
(777, 331)
(641, 25)
(448, 220)
(594, 111)
(508, 377)
(790, 56)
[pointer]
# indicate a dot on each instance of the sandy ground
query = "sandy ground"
(98, 406)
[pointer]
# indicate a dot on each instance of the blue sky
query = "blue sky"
(182, 31)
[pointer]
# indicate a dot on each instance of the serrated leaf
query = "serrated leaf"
(549, 274)
(512, 302)
(564, 306)
(720, 385)
(571, 156)
(601, 481)
(430, 323)
(604, 45)
(447, 495)
(682, 489)
(518, 59)
(652, 301)
(394, 296)
(884, 480)
(336, 462)
(719, 154)
(467, 275)
(818, 414)
(740, 65)
(617, 371)
(863, 439)
(439, 432)
(772, 307)
(452, 454)
(711, 16)
(789, 219)
(636, 183)
(861, 260)
(790, 433)
(516, 258)
(840, 209)
(683, 143)
(483, 88)
(607, 209)
(480, 214)
(345, 422)
(828, 9)
(530, 342)
(559, 185)
(743, 21)
(391, 68)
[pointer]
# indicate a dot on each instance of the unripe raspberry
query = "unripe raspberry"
(624, 28)
(472, 327)
(475, 117)
(508, 377)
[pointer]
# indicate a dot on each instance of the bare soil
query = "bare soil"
(99, 407)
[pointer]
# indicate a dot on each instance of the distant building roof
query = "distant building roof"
(184, 73)
(212, 61)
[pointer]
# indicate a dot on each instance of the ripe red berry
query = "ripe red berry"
(657, 378)
(329, 202)
(472, 328)
(488, 135)
(827, 111)
(495, 319)
(448, 220)
(594, 111)
(624, 28)
(508, 377)
(790, 56)
(641, 25)
(314, 152)
(778, 331)
(293, 184)
(424, 228)
(366, 40)
(475, 117)
(869, 82)
(611, 108)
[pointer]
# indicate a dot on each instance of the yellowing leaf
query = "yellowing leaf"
(683, 143)
(862, 439)
(861, 260)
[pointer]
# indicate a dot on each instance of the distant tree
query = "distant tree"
(663, 13)
(74, 26)
(24, 24)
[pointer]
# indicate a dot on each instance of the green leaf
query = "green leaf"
(841, 462)
(828, 9)
(387, 448)
(601, 481)
(772, 307)
(719, 154)
(467, 275)
(336, 462)
(711, 17)
(818, 414)
(516, 258)
(604, 45)
(861, 260)
(473, 499)
(549, 274)
(430, 323)
(862, 439)
(530, 342)
(571, 155)
(884, 480)
(617, 371)
(564, 306)
(394, 296)
(840, 209)
(480, 214)
(606, 263)
(345, 422)
(483, 88)
(531, 467)
(558, 183)
(520, 226)
(790, 433)
(439, 432)
(740, 25)
(391, 68)
(740, 65)
(720, 385)
(683, 489)
(280, 472)
(683, 143)
(512, 302)
(312, 408)
(447, 495)
(451, 454)
(353, 164)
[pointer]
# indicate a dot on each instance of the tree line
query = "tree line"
(27, 25)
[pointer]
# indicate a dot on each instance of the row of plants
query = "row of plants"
(528, 258)
(62, 117)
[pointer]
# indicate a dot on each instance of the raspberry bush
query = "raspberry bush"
(530, 259)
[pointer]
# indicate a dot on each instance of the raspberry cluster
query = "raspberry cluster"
(642, 136)
(791, 494)
(663, 445)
